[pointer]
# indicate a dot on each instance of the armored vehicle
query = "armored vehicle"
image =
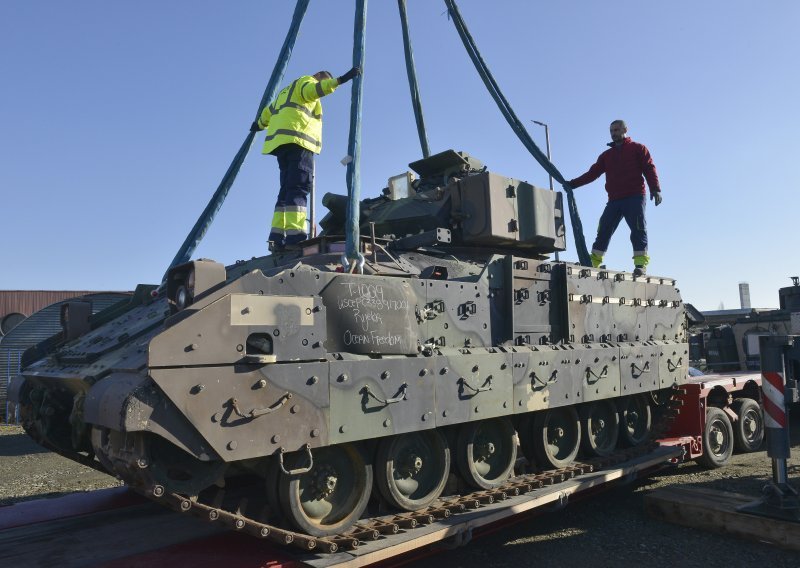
(303, 392)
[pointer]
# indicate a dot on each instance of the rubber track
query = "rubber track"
(374, 528)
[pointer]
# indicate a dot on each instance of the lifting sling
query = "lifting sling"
(353, 258)
(207, 216)
(519, 128)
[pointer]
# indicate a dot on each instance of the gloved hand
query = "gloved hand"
(656, 196)
(349, 75)
(254, 127)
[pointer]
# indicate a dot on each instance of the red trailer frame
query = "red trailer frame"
(697, 394)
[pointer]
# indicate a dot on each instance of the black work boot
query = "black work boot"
(640, 270)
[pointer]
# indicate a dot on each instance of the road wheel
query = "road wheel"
(486, 452)
(748, 431)
(411, 469)
(556, 437)
(635, 420)
(330, 497)
(717, 439)
(599, 428)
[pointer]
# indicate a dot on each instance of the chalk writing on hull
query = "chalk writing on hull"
(369, 317)
(372, 338)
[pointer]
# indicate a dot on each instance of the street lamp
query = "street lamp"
(547, 141)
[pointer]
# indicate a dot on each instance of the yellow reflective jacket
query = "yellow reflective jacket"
(295, 116)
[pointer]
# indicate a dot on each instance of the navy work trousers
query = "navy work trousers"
(297, 179)
(632, 210)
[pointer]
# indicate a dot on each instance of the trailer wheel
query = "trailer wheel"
(748, 431)
(717, 439)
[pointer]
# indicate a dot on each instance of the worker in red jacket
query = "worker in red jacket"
(624, 164)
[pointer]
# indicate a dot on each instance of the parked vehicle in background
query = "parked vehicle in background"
(728, 340)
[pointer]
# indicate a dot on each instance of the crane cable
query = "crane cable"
(354, 142)
(519, 128)
(352, 255)
(207, 216)
(416, 103)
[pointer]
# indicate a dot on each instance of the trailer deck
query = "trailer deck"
(133, 532)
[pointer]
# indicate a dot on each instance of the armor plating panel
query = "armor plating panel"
(472, 385)
(544, 377)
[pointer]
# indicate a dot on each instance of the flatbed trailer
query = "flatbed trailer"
(137, 532)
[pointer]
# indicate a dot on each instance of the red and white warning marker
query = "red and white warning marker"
(774, 400)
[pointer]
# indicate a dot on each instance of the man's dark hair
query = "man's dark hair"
(619, 121)
(320, 75)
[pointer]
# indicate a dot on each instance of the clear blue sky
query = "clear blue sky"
(120, 118)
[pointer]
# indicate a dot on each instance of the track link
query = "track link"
(374, 528)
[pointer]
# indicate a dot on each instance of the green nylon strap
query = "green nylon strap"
(519, 128)
(411, 71)
(352, 235)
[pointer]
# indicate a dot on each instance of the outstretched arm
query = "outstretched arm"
(352, 74)
(313, 90)
(597, 169)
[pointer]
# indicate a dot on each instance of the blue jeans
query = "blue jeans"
(632, 210)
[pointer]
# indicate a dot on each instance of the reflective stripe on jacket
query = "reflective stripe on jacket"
(295, 116)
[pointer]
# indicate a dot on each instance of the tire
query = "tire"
(748, 430)
(717, 439)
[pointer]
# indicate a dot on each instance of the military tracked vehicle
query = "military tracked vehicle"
(304, 393)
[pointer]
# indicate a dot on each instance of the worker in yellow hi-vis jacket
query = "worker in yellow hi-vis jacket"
(294, 134)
